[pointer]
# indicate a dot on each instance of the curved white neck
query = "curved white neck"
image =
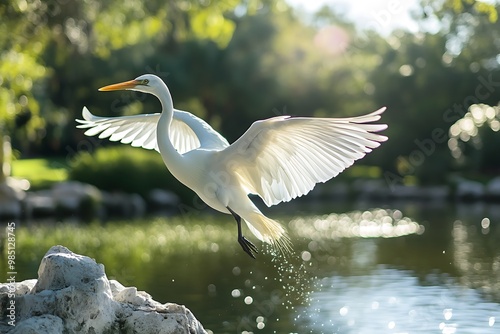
(167, 150)
(165, 98)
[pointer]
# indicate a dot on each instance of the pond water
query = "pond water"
(398, 268)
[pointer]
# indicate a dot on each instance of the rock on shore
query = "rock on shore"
(73, 295)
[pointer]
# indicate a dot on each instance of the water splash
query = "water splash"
(295, 275)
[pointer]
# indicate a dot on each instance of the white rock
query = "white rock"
(73, 295)
(437, 192)
(74, 288)
(20, 288)
(61, 268)
(128, 205)
(25, 287)
(138, 205)
(44, 324)
(132, 296)
(10, 208)
(69, 195)
(12, 192)
(163, 198)
(154, 322)
(162, 319)
(16, 188)
(493, 187)
(403, 191)
(470, 189)
(115, 287)
(39, 202)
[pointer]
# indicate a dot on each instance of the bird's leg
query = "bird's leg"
(246, 244)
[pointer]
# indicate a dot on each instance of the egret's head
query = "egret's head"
(146, 83)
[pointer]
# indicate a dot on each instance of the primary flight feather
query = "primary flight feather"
(279, 159)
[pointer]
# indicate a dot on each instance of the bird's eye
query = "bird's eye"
(145, 81)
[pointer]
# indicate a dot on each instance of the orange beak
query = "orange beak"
(120, 86)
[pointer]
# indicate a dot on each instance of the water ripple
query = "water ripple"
(393, 301)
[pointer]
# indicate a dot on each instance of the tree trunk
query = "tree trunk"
(5, 157)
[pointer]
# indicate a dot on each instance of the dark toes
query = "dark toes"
(248, 246)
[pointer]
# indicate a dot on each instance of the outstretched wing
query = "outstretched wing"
(208, 138)
(187, 132)
(283, 158)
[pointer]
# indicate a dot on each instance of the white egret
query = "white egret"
(279, 158)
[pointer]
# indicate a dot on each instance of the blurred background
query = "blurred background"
(233, 62)
(434, 64)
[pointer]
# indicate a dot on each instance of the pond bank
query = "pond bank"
(73, 198)
(80, 199)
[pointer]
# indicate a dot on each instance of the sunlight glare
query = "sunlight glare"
(332, 39)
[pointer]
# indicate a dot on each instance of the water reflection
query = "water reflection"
(393, 301)
(376, 223)
(476, 256)
(438, 273)
(443, 281)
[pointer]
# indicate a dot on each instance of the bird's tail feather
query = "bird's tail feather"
(269, 230)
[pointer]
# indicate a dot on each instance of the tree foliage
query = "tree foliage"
(232, 62)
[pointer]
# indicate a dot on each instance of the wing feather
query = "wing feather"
(187, 132)
(283, 158)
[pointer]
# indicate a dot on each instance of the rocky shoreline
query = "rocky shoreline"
(80, 199)
(73, 295)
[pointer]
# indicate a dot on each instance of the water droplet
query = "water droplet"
(248, 300)
(344, 310)
(391, 325)
(212, 290)
(447, 313)
(236, 293)
(214, 247)
(491, 321)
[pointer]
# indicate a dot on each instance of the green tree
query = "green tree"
(22, 41)
(51, 49)
(429, 80)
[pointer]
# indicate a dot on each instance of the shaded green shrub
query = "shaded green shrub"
(126, 169)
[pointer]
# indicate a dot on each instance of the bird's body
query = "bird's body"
(279, 159)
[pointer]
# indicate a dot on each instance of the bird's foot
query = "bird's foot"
(248, 246)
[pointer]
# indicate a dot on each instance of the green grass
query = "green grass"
(127, 245)
(129, 239)
(42, 173)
